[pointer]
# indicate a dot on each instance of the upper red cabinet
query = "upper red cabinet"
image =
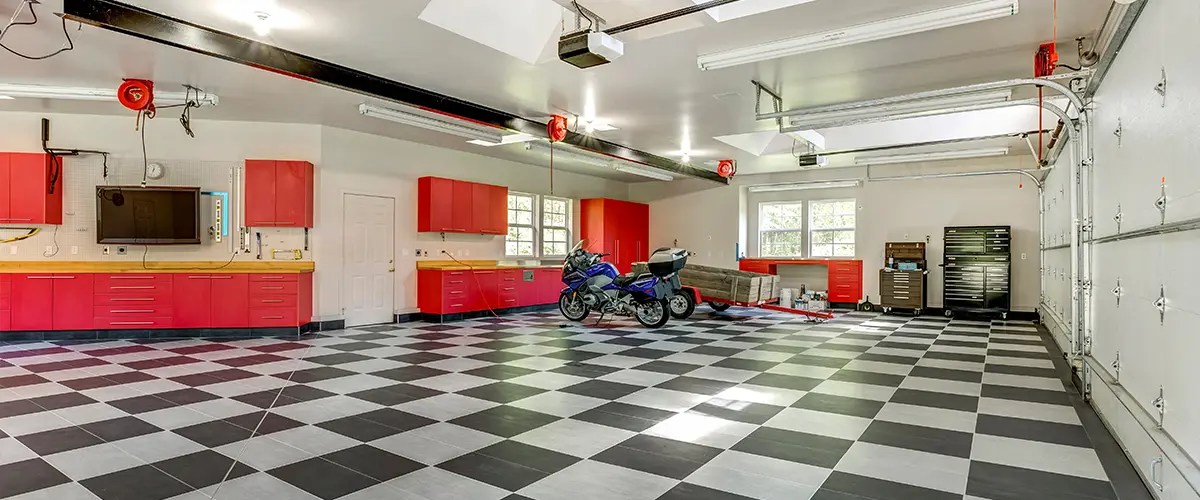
(279, 193)
(30, 189)
(451, 206)
(619, 228)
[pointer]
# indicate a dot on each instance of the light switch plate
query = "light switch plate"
(74, 250)
(12, 249)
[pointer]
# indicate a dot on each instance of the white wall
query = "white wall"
(1157, 353)
(358, 163)
(705, 217)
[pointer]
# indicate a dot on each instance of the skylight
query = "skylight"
(747, 8)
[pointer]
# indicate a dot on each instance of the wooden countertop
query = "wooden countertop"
(102, 267)
(477, 265)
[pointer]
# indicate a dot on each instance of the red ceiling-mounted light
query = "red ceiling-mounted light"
(556, 128)
(137, 95)
(726, 168)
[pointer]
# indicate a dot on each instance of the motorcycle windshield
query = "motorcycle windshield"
(577, 246)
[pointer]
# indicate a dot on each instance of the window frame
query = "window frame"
(566, 227)
(812, 230)
(533, 224)
(802, 230)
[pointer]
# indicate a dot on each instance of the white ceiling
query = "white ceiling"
(654, 94)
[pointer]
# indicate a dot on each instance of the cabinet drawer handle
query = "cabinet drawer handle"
(510, 279)
(455, 282)
(198, 277)
(271, 301)
(131, 323)
(18, 220)
(456, 273)
(511, 300)
(843, 286)
(485, 272)
(131, 311)
(455, 293)
(272, 317)
(456, 305)
(272, 288)
(132, 277)
(285, 222)
(133, 300)
(40, 277)
(272, 277)
(131, 287)
(509, 289)
(221, 277)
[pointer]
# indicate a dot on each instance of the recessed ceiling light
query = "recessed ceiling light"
(263, 16)
(262, 23)
(686, 158)
(3, 97)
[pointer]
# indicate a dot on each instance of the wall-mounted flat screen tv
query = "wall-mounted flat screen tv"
(148, 215)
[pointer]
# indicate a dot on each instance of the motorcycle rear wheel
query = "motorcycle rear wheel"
(653, 313)
(682, 305)
(572, 307)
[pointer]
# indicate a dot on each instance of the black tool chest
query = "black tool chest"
(977, 268)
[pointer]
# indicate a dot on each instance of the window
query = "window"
(556, 226)
(520, 240)
(781, 229)
(831, 228)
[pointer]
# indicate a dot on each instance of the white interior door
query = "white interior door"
(369, 266)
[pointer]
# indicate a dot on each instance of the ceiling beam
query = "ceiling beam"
(155, 27)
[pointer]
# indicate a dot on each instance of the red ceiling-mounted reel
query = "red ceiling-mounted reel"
(137, 95)
(1045, 61)
(726, 168)
(556, 128)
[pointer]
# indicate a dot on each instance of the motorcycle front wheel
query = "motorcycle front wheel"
(652, 313)
(682, 305)
(572, 307)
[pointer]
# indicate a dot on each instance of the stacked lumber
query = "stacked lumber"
(726, 284)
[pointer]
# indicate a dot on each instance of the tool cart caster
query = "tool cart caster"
(948, 313)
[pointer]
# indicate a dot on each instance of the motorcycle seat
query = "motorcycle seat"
(626, 279)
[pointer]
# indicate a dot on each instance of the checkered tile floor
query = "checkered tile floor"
(756, 405)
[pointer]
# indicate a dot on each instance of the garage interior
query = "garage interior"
(299, 249)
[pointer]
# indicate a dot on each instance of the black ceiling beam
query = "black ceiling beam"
(155, 27)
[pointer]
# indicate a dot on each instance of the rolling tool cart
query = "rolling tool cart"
(977, 274)
(902, 283)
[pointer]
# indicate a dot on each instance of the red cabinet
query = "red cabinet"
(5, 302)
(845, 277)
(280, 300)
(549, 285)
(279, 193)
(463, 291)
(193, 300)
(615, 227)
(73, 298)
(31, 189)
(452, 206)
(32, 302)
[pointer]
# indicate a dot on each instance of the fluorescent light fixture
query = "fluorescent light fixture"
(896, 111)
(508, 139)
(942, 155)
(436, 123)
(14, 90)
(801, 186)
(598, 160)
(592, 126)
(745, 8)
(4, 97)
(880, 30)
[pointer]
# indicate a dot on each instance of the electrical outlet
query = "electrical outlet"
(106, 250)
(466, 253)
(49, 249)
(122, 250)
(404, 252)
(74, 250)
(12, 249)
(1023, 255)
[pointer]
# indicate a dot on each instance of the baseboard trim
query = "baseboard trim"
(445, 318)
(163, 334)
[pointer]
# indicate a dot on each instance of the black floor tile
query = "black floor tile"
(642, 352)
(785, 381)
(810, 360)
(1001, 482)
(362, 346)
(509, 464)
(20, 407)
(322, 478)
(315, 374)
(395, 394)
(498, 345)
(409, 373)
(1027, 371)
(753, 365)
(1033, 430)
(60, 401)
(946, 374)
(708, 350)
(625, 416)
(573, 355)
(799, 447)
(911, 346)
(961, 343)
(141, 404)
(835, 346)
(532, 457)
(28, 475)
(425, 346)
(695, 385)
(1024, 394)
(740, 411)
(290, 395)
(687, 491)
(214, 434)
(503, 392)
(337, 359)
(374, 462)
(186, 396)
(888, 358)
(913, 437)
(585, 370)
(632, 342)
(956, 356)
(500, 372)
(602, 389)
(59, 440)
(667, 367)
(417, 358)
(139, 483)
(357, 428)
(843, 405)
(936, 400)
(785, 349)
(203, 468)
(497, 356)
(396, 419)
(1009, 353)
(844, 486)
(120, 428)
(873, 378)
(264, 422)
(214, 377)
(664, 457)
(505, 421)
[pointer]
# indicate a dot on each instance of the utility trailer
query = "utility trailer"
(722, 288)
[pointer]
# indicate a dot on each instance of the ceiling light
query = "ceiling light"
(439, 124)
(893, 111)
(95, 94)
(589, 128)
(880, 30)
(508, 139)
(686, 158)
(800, 186)
(942, 155)
(3, 97)
(598, 160)
(262, 23)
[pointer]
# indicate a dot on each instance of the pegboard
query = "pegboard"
(78, 231)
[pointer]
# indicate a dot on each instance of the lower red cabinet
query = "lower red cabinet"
(32, 302)
(456, 292)
(73, 301)
(5, 302)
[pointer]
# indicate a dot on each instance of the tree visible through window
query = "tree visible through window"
(556, 226)
(781, 229)
(520, 240)
(831, 228)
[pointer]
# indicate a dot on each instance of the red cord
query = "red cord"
(478, 285)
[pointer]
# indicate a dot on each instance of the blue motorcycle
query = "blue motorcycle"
(594, 285)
